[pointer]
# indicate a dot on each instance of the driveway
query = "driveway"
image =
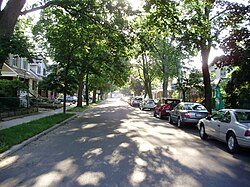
(117, 145)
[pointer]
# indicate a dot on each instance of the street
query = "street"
(117, 145)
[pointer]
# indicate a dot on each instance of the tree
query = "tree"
(158, 55)
(8, 18)
(169, 59)
(93, 43)
(194, 24)
(237, 55)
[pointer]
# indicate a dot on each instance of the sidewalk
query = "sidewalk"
(32, 117)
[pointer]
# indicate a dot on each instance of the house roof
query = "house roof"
(11, 71)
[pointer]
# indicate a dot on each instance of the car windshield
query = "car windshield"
(150, 102)
(138, 99)
(194, 107)
(171, 101)
(242, 117)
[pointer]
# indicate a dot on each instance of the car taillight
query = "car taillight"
(247, 133)
(187, 115)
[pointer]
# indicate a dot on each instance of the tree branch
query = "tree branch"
(222, 12)
(1, 2)
(50, 3)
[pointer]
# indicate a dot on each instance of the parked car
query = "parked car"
(231, 126)
(72, 99)
(135, 101)
(187, 113)
(162, 110)
(147, 104)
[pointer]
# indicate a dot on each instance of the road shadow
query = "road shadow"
(117, 145)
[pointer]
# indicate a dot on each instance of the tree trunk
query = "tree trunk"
(9, 16)
(147, 82)
(8, 19)
(165, 80)
(87, 89)
(184, 95)
(205, 50)
(150, 95)
(80, 89)
(206, 78)
(79, 94)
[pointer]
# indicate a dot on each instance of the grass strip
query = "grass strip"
(17, 134)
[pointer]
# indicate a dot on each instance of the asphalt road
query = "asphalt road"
(117, 145)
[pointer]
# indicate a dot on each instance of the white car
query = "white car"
(231, 126)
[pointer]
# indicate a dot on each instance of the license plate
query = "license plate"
(198, 115)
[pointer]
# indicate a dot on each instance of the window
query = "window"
(14, 61)
(223, 72)
(217, 115)
(44, 71)
(39, 70)
(25, 64)
(198, 107)
(242, 117)
(188, 107)
(226, 117)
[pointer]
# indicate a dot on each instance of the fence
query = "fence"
(15, 106)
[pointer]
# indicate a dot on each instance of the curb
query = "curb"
(17, 147)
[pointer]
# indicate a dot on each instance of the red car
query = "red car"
(162, 110)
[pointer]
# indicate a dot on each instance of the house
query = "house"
(216, 75)
(40, 68)
(29, 72)
(19, 68)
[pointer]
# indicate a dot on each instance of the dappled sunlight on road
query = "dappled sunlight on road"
(61, 170)
(115, 144)
(8, 161)
(93, 152)
(90, 178)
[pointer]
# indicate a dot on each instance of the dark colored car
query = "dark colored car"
(187, 113)
(162, 110)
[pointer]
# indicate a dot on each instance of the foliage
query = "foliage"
(197, 25)
(96, 47)
(136, 85)
(16, 44)
(55, 81)
(237, 54)
(8, 88)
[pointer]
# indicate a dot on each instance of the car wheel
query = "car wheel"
(202, 132)
(160, 115)
(232, 143)
(179, 123)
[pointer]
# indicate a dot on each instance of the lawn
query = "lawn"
(17, 134)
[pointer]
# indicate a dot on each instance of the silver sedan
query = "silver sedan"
(187, 113)
(231, 126)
